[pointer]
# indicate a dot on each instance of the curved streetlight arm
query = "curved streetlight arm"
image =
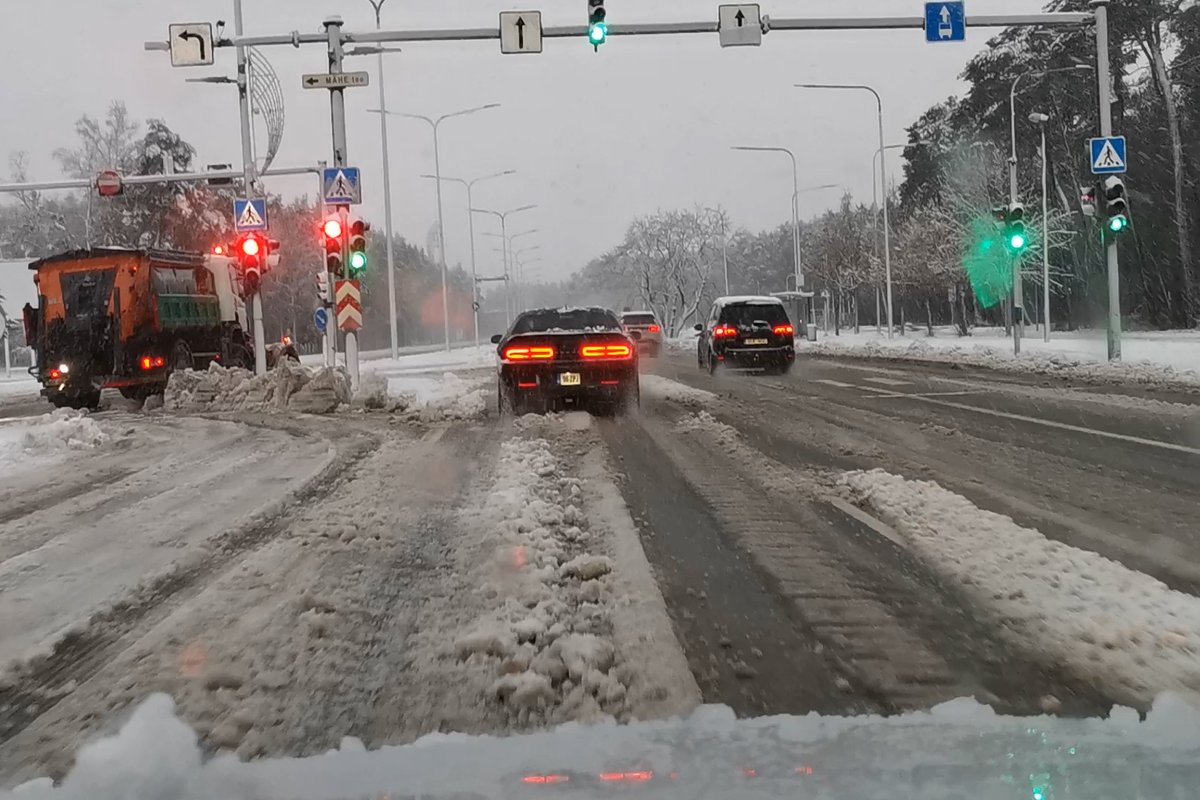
(463, 113)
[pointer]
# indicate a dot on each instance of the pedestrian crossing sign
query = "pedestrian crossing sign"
(250, 214)
(1108, 155)
(342, 186)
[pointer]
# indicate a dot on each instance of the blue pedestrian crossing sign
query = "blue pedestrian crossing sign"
(945, 22)
(342, 186)
(1108, 155)
(250, 214)
(321, 319)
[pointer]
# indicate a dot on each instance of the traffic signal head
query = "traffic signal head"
(358, 246)
(1116, 205)
(1014, 233)
(251, 254)
(335, 259)
(597, 27)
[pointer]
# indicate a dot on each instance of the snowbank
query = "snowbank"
(658, 387)
(51, 434)
(1168, 358)
(1117, 628)
(289, 386)
(958, 749)
(446, 397)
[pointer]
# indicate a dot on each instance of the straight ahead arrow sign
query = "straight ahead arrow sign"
(741, 18)
(520, 33)
(945, 15)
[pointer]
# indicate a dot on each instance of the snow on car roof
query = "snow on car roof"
(749, 299)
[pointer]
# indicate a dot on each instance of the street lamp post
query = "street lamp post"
(470, 184)
(435, 124)
(795, 194)
(503, 217)
(875, 219)
(515, 272)
(1040, 120)
(387, 191)
(887, 247)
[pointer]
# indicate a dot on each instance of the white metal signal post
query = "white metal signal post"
(522, 33)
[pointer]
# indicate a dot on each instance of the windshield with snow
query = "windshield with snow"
(600, 398)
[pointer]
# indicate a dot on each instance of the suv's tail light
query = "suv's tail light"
(524, 353)
(654, 329)
(784, 330)
(725, 330)
(153, 362)
(606, 351)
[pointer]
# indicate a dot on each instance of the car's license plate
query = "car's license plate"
(569, 379)
(757, 341)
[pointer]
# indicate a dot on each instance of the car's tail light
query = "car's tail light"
(524, 353)
(55, 374)
(152, 362)
(606, 351)
(545, 779)
(725, 330)
(640, 776)
(654, 329)
(784, 330)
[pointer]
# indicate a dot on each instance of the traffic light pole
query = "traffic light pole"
(1104, 80)
(337, 115)
(243, 83)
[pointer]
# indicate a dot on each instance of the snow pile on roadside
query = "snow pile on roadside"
(1063, 357)
(289, 386)
(960, 749)
(658, 387)
(1122, 629)
(448, 397)
(60, 431)
(705, 423)
(549, 637)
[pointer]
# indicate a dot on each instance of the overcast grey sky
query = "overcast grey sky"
(646, 123)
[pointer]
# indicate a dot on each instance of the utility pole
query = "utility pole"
(243, 83)
(1104, 80)
(337, 114)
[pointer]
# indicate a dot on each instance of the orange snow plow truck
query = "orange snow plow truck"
(125, 319)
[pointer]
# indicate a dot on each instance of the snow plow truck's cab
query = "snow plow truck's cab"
(127, 318)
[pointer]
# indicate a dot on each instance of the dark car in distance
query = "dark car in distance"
(747, 332)
(565, 358)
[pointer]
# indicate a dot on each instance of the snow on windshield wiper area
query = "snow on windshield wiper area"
(776, 426)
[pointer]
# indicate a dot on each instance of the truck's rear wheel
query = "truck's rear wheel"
(181, 356)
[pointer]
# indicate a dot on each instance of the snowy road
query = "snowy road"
(855, 537)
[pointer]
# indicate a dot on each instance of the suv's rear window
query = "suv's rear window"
(748, 313)
(571, 319)
(638, 319)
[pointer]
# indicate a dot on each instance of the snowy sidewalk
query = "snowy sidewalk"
(1151, 358)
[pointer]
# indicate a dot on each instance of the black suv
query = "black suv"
(747, 332)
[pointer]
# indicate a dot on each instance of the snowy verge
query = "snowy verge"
(18, 385)
(1149, 361)
(58, 432)
(960, 748)
(1119, 629)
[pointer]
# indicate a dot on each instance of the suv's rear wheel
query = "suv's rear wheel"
(712, 362)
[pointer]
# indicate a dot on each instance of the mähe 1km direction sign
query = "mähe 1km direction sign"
(520, 32)
(1108, 155)
(329, 80)
(945, 22)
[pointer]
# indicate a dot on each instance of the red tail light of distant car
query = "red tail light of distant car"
(725, 330)
(784, 330)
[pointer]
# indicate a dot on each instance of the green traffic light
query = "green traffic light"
(358, 261)
(598, 33)
(1017, 241)
(1117, 224)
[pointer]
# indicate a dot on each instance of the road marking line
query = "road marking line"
(877, 525)
(888, 381)
(1121, 437)
(918, 394)
(838, 384)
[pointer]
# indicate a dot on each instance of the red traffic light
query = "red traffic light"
(333, 228)
(218, 250)
(250, 246)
